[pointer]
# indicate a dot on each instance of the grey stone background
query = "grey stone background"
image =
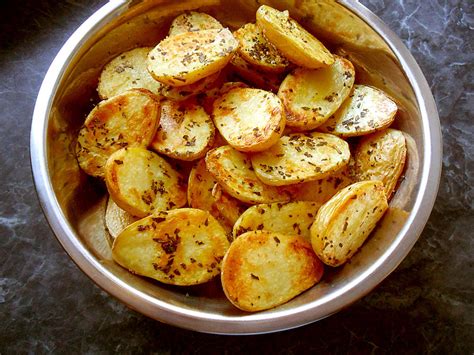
(426, 306)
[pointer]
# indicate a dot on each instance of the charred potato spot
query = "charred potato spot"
(180, 247)
(250, 120)
(140, 182)
(262, 269)
(344, 222)
(193, 21)
(301, 157)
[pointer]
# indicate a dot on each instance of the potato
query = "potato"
(257, 50)
(233, 171)
(186, 131)
(180, 247)
(296, 44)
(126, 120)
(301, 157)
(311, 96)
(381, 156)
(127, 71)
(264, 269)
(256, 76)
(193, 21)
(250, 120)
(116, 219)
(188, 57)
(181, 93)
(140, 182)
(204, 193)
(292, 218)
(344, 222)
(206, 99)
(365, 111)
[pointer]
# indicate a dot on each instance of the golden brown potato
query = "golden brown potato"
(296, 44)
(204, 193)
(291, 218)
(344, 222)
(257, 50)
(188, 57)
(127, 120)
(233, 171)
(193, 21)
(186, 131)
(262, 269)
(180, 247)
(365, 111)
(301, 157)
(117, 219)
(250, 120)
(140, 182)
(206, 99)
(181, 93)
(381, 156)
(311, 96)
(127, 71)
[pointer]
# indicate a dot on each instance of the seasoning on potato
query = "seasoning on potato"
(344, 222)
(181, 93)
(126, 120)
(250, 120)
(193, 21)
(262, 269)
(180, 247)
(141, 182)
(117, 219)
(301, 157)
(188, 57)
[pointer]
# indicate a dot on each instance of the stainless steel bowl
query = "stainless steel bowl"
(74, 204)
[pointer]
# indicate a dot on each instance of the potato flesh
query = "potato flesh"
(365, 111)
(311, 96)
(292, 218)
(250, 120)
(233, 171)
(344, 222)
(381, 156)
(186, 131)
(140, 182)
(296, 44)
(193, 21)
(181, 93)
(188, 57)
(127, 120)
(262, 269)
(117, 219)
(301, 157)
(180, 247)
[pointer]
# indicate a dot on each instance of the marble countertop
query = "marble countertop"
(426, 306)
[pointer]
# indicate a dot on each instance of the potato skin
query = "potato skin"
(126, 120)
(250, 120)
(344, 222)
(181, 247)
(193, 21)
(296, 44)
(262, 270)
(188, 57)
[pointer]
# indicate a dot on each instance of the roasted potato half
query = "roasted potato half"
(381, 156)
(301, 157)
(250, 120)
(204, 193)
(126, 120)
(141, 182)
(180, 247)
(344, 222)
(292, 218)
(117, 219)
(311, 96)
(186, 131)
(296, 44)
(127, 71)
(188, 57)
(206, 99)
(262, 269)
(233, 171)
(365, 111)
(193, 21)
(257, 50)
(181, 93)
